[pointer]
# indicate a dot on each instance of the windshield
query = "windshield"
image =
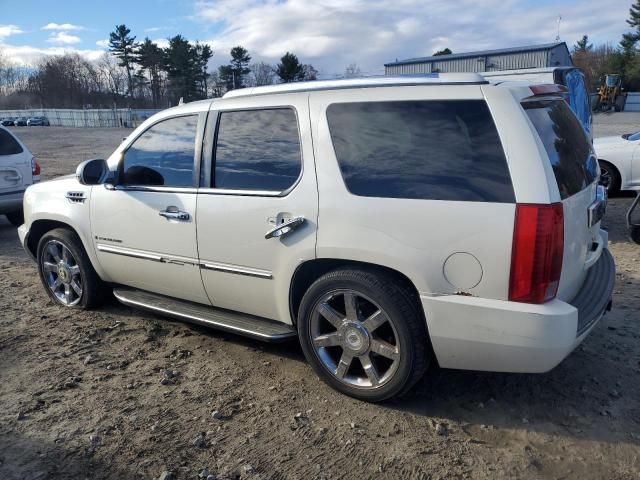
(632, 137)
(566, 143)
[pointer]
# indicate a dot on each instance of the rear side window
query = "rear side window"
(163, 155)
(8, 144)
(566, 143)
(257, 150)
(438, 150)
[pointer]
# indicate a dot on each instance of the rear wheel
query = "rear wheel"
(363, 334)
(16, 218)
(609, 177)
(66, 271)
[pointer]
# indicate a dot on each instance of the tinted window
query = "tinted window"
(8, 144)
(163, 155)
(441, 150)
(566, 143)
(257, 150)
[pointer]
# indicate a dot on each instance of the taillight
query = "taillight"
(35, 167)
(536, 255)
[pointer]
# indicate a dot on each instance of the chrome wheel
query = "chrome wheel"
(605, 177)
(61, 273)
(354, 339)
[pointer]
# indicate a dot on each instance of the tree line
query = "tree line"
(624, 59)
(141, 74)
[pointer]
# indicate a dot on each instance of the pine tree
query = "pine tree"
(290, 69)
(183, 69)
(203, 54)
(123, 46)
(239, 65)
(150, 57)
(444, 51)
(583, 45)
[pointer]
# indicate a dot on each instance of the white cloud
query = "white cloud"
(103, 43)
(161, 42)
(8, 30)
(62, 26)
(152, 29)
(27, 55)
(331, 34)
(63, 38)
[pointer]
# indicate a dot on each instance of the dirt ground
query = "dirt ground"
(117, 393)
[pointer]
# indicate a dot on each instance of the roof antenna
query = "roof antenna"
(558, 35)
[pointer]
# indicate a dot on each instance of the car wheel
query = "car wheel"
(363, 334)
(609, 177)
(66, 271)
(16, 218)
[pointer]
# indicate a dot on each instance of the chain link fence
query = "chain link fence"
(89, 118)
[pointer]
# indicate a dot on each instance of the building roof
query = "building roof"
(481, 53)
(366, 82)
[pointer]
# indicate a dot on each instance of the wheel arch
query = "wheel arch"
(309, 271)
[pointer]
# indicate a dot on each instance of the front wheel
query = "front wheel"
(66, 271)
(363, 334)
(609, 177)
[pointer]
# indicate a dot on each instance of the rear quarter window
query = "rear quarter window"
(566, 143)
(437, 150)
(8, 144)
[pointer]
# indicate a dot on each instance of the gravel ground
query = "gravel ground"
(117, 393)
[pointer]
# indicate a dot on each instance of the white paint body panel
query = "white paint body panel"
(624, 155)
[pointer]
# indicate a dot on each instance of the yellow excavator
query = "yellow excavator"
(610, 94)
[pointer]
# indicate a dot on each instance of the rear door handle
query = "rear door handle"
(284, 228)
(12, 178)
(172, 213)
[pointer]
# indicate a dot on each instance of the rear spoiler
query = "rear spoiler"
(548, 89)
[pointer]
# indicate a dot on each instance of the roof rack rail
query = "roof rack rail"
(365, 82)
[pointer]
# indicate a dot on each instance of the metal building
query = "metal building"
(533, 56)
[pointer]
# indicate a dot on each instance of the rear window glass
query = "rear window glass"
(439, 150)
(566, 143)
(8, 144)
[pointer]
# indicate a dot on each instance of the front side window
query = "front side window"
(257, 150)
(437, 150)
(163, 155)
(8, 144)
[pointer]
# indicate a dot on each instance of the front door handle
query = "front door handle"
(172, 213)
(284, 228)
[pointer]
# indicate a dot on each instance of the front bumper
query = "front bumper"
(494, 335)
(23, 235)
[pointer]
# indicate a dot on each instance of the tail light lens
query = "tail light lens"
(536, 256)
(35, 167)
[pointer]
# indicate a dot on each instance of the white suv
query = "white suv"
(385, 222)
(18, 170)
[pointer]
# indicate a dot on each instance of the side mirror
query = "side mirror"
(92, 172)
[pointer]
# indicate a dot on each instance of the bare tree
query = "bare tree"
(262, 74)
(115, 76)
(352, 70)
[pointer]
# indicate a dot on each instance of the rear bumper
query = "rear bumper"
(11, 201)
(479, 334)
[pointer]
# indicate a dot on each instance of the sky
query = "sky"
(329, 34)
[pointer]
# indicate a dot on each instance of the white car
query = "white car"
(619, 159)
(384, 222)
(18, 170)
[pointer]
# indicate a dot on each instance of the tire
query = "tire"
(385, 359)
(16, 218)
(609, 177)
(51, 271)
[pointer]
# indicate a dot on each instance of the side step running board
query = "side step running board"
(234, 322)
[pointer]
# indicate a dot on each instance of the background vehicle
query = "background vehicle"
(610, 94)
(333, 240)
(18, 170)
(38, 121)
(20, 122)
(619, 159)
(570, 77)
(7, 122)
